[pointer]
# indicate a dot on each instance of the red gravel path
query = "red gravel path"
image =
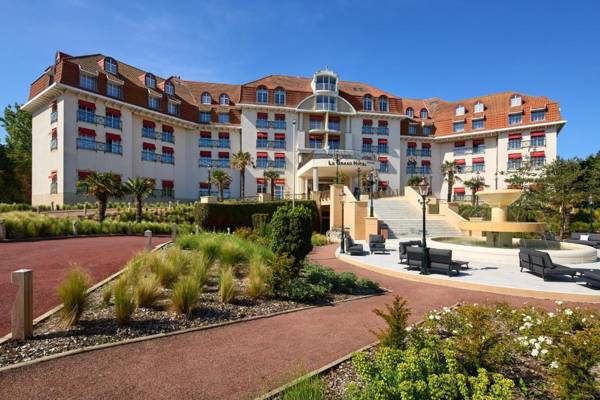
(234, 362)
(49, 259)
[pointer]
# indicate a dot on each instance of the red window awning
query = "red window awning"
(87, 132)
(515, 136)
(383, 184)
(367, 122)
(280, 136)
(459, 190)
(382, 141)
(113, 112)
(148, 124)
(204, 185)
(459, 144)
(113, 137)
(477, 142)
(382, 122)
(537, 154)
(87, 104)
(316, 117)
(168, 184)
(53, 132)
(81, 175)
(205, 135)
(280, 181)
(334, 118)
(205, 153)
(412, 144)
(317, 137)
(223, 154)
(260, 181)
(459, 162)
(514, 156)
(148, 146)
(538, 134)
(279, 155)
(223, 135)
(262, 115)
(425, 162)
(52, 175)
(262, 135)
(167, 128)
(261, 154)
(367, 140)
(279, 117)
(425, 145)
(383, 159)
(479, 160)
(167, 150)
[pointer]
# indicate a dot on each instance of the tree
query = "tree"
(475, 184)
(560, 189)
(271, 175)
(17, 124)
(291, 230)
(102, 185)
(222, 180)
(140, 188)
(240, 161)
(526, 206)
(449, 170)
(414, 180)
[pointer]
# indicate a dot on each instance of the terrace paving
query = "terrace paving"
(50, 259)
(238, 361)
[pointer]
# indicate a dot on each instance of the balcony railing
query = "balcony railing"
(264, 123)
(214, 163)
(53, 144)
(413, 151)
(522, 144)
(91, 144)
(326, 86)
(167, 137)
(275, 164)
(167, 158)
(150, 156)
(150, 133)
(384, 167)
(459, 151)
(270, 144)
(470, 168)
(166, 193)
(215, 192)
(334, 126)
(53, 116)
(218, 143)
(314, 125)
(414, 170)
(110, 121)
(382, 149)
(372, 130)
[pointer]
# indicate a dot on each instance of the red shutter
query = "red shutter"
(148, 146)
(538, 134)
(113, 111)
(279, 155)
(148, 124)
(382, 123)
(425, 145)
(167, 184)
(459, 144)
(205, 153)
(262, 115)
(382, 141)
(477, 142)
(223, 154)
(113, 137)
(383, 159)
(479, 160)
(167, 128)
(167, 150)
(280, 181)
(412, 144)
(515, 136)
(537, 154)
(367, 122)
(87, 132)
(223, 135)
(262, 135)
(87, 104)
(261, 154)
(514, 156)
(459, 162)
(279, 117)
(280, 136)
(367, 140)
(205, 135)
(425, 162)
(459, 190)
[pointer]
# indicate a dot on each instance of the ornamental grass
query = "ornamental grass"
(124, 302)
(258, 278)
(200, 266)
(226, 284)
(185, 294)
(72, 293)
(147, 291)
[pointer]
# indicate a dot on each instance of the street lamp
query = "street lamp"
(343, 244)
(209, 179)
(371, 182)
(424, 191)
(336, 157)
(359, 184)
(591, 204)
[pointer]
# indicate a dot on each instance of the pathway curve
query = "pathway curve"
(50, 259)
(237, 361)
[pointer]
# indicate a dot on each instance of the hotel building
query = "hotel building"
(96, 113)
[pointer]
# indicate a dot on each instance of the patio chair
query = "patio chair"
(377, 244)
(588, 239)
(539, 263)
(402, 248)
(352, 248)
(440, 260)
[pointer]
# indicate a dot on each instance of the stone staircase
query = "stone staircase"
(405, 220)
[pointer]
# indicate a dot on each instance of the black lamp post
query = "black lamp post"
(359, 184)
(424, 191)
(371, 182)
(343, 244)
(337, 157)
(591, 204)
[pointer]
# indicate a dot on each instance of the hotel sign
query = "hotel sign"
(350, 163)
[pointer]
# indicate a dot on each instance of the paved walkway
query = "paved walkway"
(234, 362)
(49, 260)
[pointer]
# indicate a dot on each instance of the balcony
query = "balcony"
(218, 143)
(330, 87)
(91, 144)
(270, 144)
(265, 163)
(522, 144)
(471, 168)
(148, 155)
(384, 167)
(213, 163)
(413, 151)
(215, 193)
(90, 117)
(53, 144)
(334, 126)
(167, 137)
(414, 170)
(382, 149)
(167, 158)
(165, 193)
(315, 125)
(53, 116)
(371, 130)
(266, 124)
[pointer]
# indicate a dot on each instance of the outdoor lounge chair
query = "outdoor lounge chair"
(440, 260)
(588, 239)
(402, 246)
(377, 244)
(591, 278)
(540, 263)
(352, 248)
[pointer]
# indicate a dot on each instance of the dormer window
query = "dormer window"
(383, 104)
(110, 65)
(460, 110)
(169, 88)
(410, 113)
(515, 101)
(224, 100)
(478, 107)
(150, 81)
(279, 96)
(424, 113)
(368, 102)
(205, 98)
(262, 95)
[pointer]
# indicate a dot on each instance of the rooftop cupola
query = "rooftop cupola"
(325, 81)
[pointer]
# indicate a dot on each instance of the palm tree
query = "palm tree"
(449, 171)
(102, 186)
(221, 179)
(271, 175)
(140, 188)
(475, 184)
(240, 161)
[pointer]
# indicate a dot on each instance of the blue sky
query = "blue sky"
(448, 49)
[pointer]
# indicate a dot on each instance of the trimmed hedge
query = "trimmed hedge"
(235, 215)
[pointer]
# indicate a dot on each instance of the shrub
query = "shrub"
(226, 284)
(307, 389)
(291, 231)
(259, 222)
(147, 291)
(318, 239)
(245, 233)
(318, 275)
(72, 294)
(347, 282)
(258, 278)
(283, 270)
(124, 302)
(300, 290)
(396, 320)
(367, 284)
(107, 292)
(185, 295)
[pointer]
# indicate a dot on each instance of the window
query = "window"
(113, 90)
(425, 150)
(478, 146)
(334, 123)
(88, 82)
(412, 129)
(515, 101)
(262, 160)
(410, 113)
(515, 163)
(279, 187)
(383, 104)
(425, 167)
(205, 139)
(223, 118)
(169, 88)
(382, 146)
(279, 121)
(538, 139)
(110, 65)
(167, 134)
(262, 140)
(424, 113)
(205, 159)
(326, 82)
(279, 142)
(459, 148)
(113, 118)
(366, 145)
(537, 159)
(224, 100)
(514, 141)
(460, 110)
(205, 117)
(478, 165)
(458, 126)
(279, 161)
(368, 102)
(167, 189)
(384, 166)
(53, 182)
(262, 95)
(223, 159)
(86, 112)
(538, 115)
(334, 142)
(154, 102)
(205, 98)
(315, 142)
(326, 103)
(478, 108)
(427, 131)
(514, 119)
(411, 167)
(150, 81)
(478, 124)
(261, 185)
(113, 144)
(173, 108)
(224, 142)
(53, 139)
(411, 149)
(279, 96)
(315, 122)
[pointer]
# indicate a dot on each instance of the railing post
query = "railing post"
(22, 311)
(74, 228)
(148, 236)
(196, 228)
(2, 230)
(173, 231)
